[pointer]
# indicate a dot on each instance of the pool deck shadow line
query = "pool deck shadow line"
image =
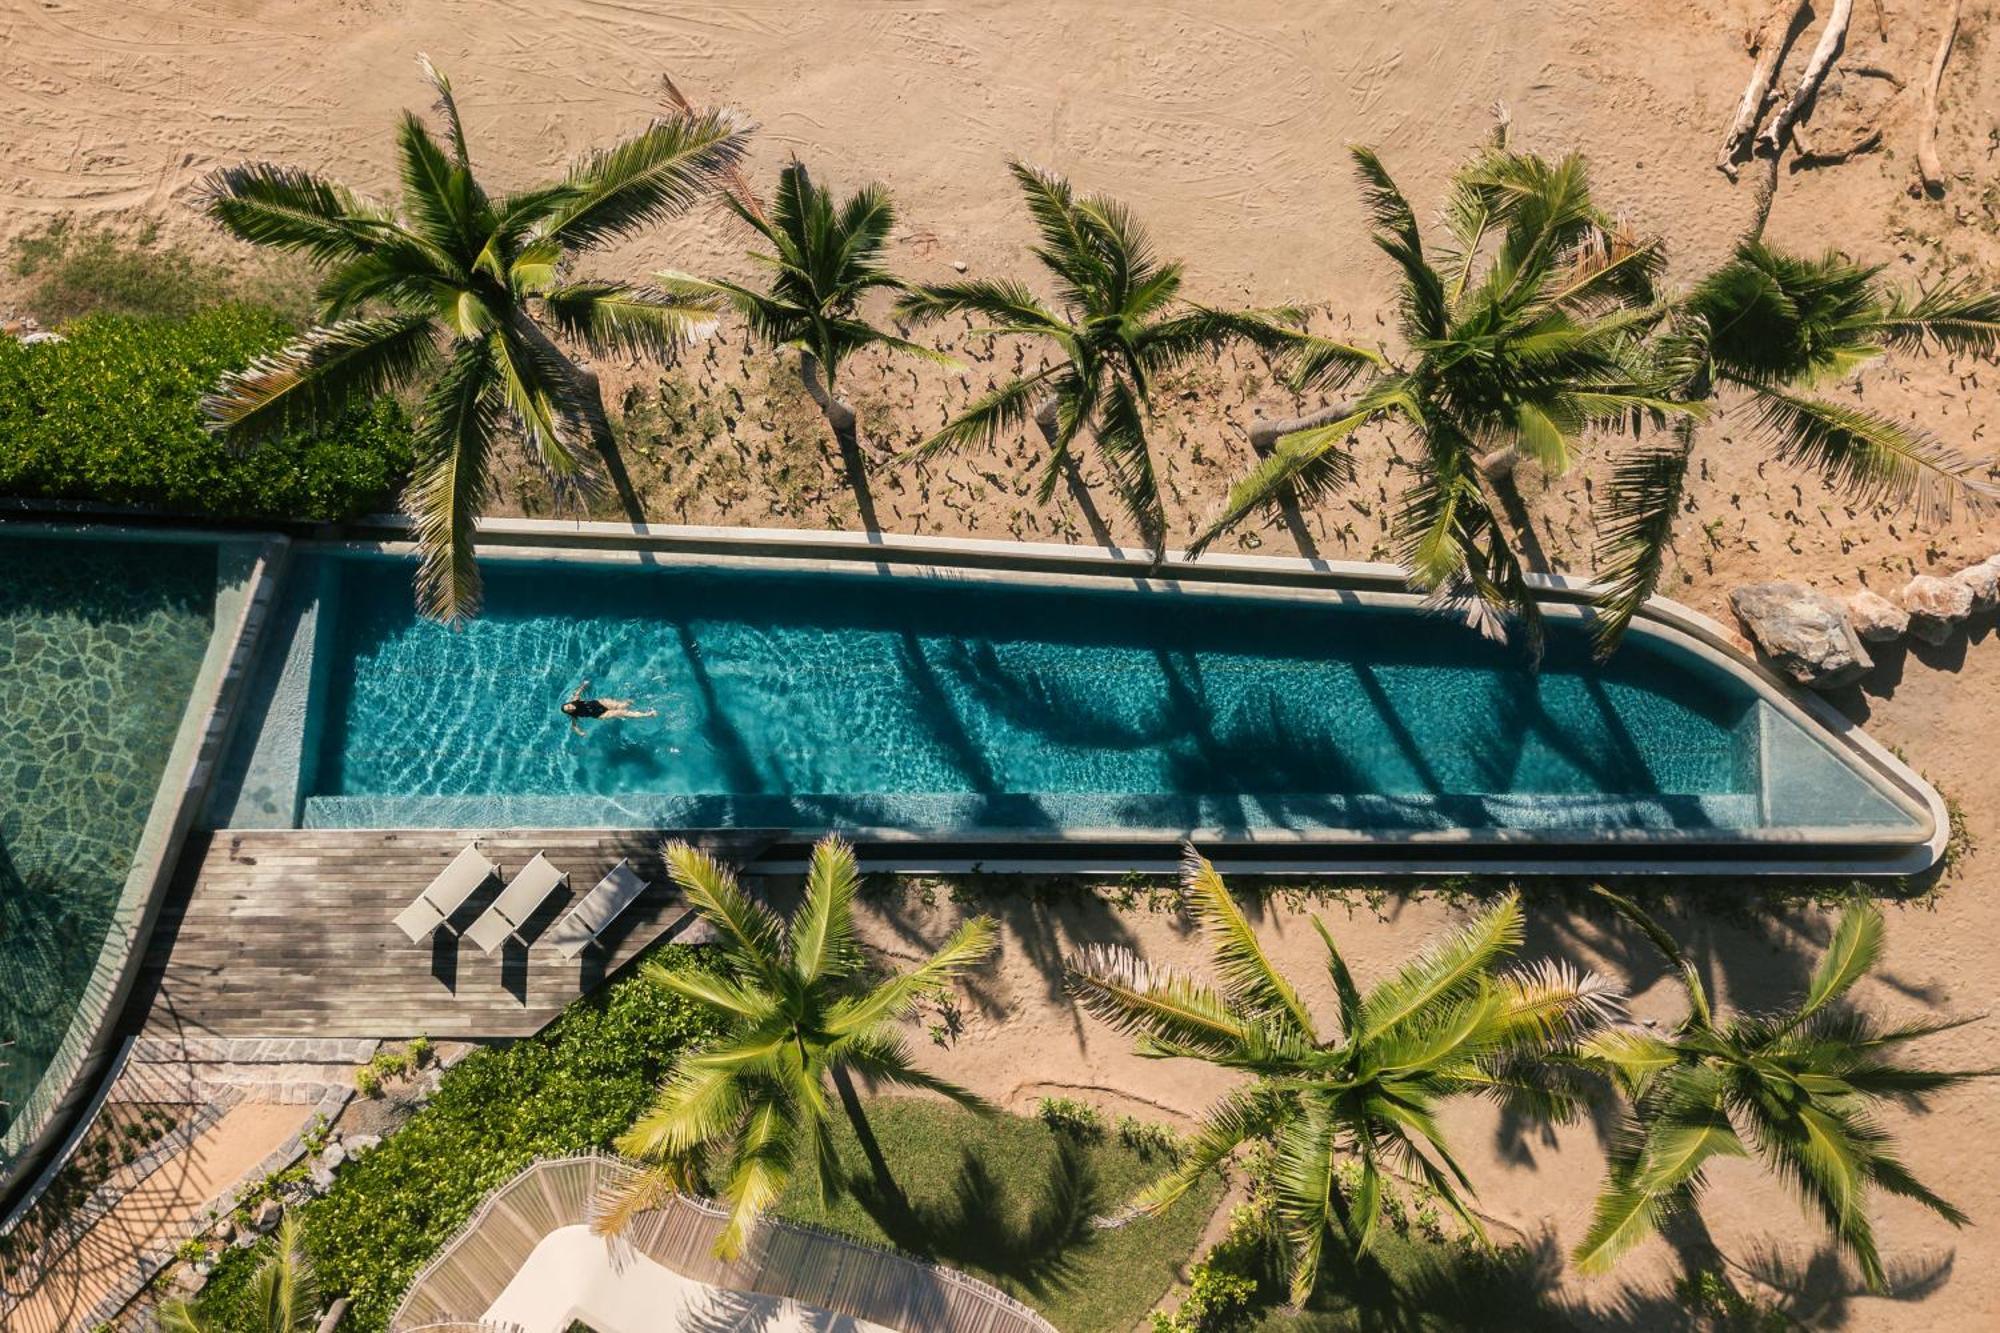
(292, 933)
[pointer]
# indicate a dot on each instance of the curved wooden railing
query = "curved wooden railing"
(783, 1259)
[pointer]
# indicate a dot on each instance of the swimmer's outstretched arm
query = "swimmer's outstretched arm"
(579, 694)
(576, 726)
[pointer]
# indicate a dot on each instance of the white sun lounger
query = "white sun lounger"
(516, 903)
(599, 908)
(446, 894)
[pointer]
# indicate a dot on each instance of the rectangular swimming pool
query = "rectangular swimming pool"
(941, 704)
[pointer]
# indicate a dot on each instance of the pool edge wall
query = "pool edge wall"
(200, 742)
(1810, 852)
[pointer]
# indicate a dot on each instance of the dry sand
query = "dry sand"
(1223, 126)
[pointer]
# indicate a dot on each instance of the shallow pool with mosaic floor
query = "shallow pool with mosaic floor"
(100, 646)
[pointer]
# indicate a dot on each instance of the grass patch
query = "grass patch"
(70, 269)
(1010, 1200)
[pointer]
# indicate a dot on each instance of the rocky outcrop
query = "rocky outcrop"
(1983, 582)
(1804, 633)
(1936, 606)
(1875, 618)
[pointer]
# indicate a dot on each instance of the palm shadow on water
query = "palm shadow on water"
(978, 1226)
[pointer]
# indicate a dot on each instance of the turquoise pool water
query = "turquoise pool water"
(941, 704)
(100, 643)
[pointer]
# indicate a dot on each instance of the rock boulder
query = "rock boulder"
(1804, 633)
(1875, 618)
(1936, 606)
(1983, 582)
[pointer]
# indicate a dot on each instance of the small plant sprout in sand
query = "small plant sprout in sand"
(751, 1111)
(1450, 1024)
(823, 261)
(1121, 325)
(1794, 1089)
(459, 292)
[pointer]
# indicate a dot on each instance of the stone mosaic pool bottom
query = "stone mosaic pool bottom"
(100, 644)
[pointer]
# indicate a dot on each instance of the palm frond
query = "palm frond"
(1119, 988)
(1958, 317)
(1448, 968)
(1395, 223)
(968, 946)
(1004, 409)
(821, 938)
(619, 1204)
(1698, 1006)
(291, 209)
(1850, 955)
(447, 107)
(1635, 525)
(884, 1057)
(1870, 457)
(1001, 300)
(1309, 464)
(1248, 978)
(1121, 437)
(453, 435)
(616, 318)
(1242, 1115)
(661, 171)
(557, 415)
(750, 931)
(318, 374)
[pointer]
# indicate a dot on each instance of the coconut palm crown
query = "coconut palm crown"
(1521, 333)
(1793, 1089)
(752, 1110)
(1121, 325)
(1448, 1024)
(1764, 331)
(465, 295)
(823, 261)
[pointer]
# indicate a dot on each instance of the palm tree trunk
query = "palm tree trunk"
(1045, 419)
(839, 415)
(1264, 436)
(901, 1217)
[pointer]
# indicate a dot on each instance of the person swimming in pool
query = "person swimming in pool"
(578, 709)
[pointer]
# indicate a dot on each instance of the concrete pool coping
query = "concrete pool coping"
(1453, 851)
(199, 743)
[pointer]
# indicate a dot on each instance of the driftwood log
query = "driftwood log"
(1773, 39)
(1825, 52)
(1928, 166)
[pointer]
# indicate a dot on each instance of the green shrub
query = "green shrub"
(1066, 1115)
(574, 1087)
(112, 415)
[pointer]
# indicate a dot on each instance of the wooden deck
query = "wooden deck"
(291, 933)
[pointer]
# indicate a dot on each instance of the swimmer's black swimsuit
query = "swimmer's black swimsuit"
(586, 708)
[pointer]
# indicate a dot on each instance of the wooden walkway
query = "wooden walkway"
(291, 933)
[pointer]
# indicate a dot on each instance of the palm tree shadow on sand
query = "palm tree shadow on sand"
(979, 1225)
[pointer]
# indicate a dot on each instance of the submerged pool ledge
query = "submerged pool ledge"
(1815, 795)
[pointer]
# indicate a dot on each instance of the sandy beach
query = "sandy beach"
(1223, 126)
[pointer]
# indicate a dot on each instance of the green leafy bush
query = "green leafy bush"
(572, 1088)
(112, 415)
(1066, 1115)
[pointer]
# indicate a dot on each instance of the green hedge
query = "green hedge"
(578, 1084)
(111, 415)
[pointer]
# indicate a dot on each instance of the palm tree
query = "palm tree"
(1447, 1025)
(1793, 1088)
(823, 261)
(452, 292)
(1524, 332)
(1768, 328)
(283, 1293)
(752, 1108)
(1120, 327)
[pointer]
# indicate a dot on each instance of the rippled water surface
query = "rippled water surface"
(860, 698)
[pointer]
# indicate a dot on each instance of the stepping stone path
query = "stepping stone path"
(295, 1071)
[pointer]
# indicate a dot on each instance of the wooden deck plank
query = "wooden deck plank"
(291, 933)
